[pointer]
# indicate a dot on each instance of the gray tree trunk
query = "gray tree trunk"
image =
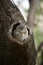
(12, 51)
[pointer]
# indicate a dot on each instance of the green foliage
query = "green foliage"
(39, 11)
(38, 35)
(40, 0)
(39, 58)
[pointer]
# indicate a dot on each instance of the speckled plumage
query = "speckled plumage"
(21, 32)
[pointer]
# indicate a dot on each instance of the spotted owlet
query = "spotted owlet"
(21, 32)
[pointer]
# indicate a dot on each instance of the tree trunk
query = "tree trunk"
(12, 51)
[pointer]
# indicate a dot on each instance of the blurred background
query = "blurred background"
(24, 5)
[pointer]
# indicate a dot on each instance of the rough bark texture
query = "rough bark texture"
(12, 51)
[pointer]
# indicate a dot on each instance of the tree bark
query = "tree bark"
(12, 51)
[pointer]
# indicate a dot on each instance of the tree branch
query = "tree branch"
(31, 14)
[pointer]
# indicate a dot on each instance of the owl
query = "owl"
(21, 32)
